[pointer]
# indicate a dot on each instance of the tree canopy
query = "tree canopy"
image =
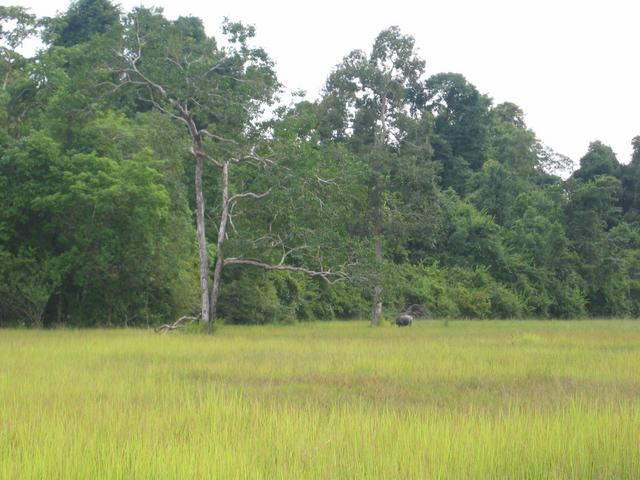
(148, 171)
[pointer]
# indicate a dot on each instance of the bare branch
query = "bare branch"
(329, 276)
(274, 239)
(252, 155)
(175, 62)
(238, 196)
(233, 226)
(328, 181)
(157, 105)
(289, 251)
(198, 152)
(217, 137)
(215, 67)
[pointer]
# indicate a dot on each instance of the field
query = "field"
(512, 400)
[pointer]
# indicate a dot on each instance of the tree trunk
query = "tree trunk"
(202, 240)
(378, 186)
(222, 234)
(380, 138)
(376, 312)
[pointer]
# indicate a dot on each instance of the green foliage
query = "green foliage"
(493, 189)
(420, 186)
(511, 142)
(599, 160)
(83, 20)
(456, 292)
(461, 123)
(631, 184)
(85, 232)
(251, 296)
(259, 297)
(26, 285)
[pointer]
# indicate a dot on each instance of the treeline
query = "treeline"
(141, 179)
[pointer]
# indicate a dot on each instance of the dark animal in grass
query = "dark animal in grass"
(407, 317)
(404, 320)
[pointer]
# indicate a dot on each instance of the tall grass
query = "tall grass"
(482, 400)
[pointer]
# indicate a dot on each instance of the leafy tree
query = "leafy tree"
(469, 237)
(493, 189)
(461, 126)
(510, 141)
(16, 25)
(599, 160)
(371, 99)
(83, 20)
(303, 222)
(631, 184)
(591, 212)
(635, 158)
(548, 282)
(93, 227)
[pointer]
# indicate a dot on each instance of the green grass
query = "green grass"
(509, 400)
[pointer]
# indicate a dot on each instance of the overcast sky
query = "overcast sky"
(573, 66)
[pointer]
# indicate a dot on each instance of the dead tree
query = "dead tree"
(203, 82)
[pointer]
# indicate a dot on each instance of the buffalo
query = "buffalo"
(407, 317)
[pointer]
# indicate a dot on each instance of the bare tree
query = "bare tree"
(216, 93)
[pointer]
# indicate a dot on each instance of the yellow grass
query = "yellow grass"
(512, 400)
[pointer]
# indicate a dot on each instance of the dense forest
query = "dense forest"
(149, 171)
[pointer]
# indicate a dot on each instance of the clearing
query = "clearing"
(490, 399)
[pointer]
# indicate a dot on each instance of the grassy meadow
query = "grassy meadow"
(481, 400)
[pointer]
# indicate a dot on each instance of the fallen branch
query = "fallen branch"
(175, 325)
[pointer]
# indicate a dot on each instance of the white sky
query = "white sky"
(573, 66)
